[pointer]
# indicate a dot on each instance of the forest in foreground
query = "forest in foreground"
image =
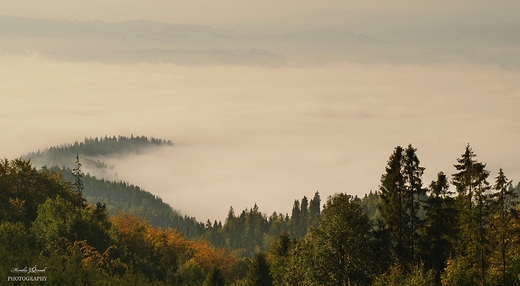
(458, 230)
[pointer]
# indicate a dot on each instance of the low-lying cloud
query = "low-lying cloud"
(259, 134)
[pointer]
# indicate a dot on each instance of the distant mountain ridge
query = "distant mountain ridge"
(26, 27)
(156, 42)
(132, 41)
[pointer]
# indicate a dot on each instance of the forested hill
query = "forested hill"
(118, 196)
(246, 232)
(93, 150)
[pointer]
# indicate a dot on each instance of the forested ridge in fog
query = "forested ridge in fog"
(460, 229)
(121, 196)
(94, 150)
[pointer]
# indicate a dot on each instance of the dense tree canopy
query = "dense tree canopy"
(338, 250)
(44, 221)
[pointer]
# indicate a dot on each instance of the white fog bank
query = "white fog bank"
(264, 135)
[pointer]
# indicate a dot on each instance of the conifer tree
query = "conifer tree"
(279, 255)
(259, 273)
(282, 245)
(473, 213)
(439, 226)
(215, 278)
(412, 173)
(78, 182)
(505, 199)
(392, 207)
(295, 219)
(304, 216)
(231, 214)
(314, 208)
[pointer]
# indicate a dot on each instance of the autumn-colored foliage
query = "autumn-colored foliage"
(80, 244)
(164, 251)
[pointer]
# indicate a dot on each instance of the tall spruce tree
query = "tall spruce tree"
(295, 219)
(505, 200)
(279, 254)
(412, 175)
(393, 206)
(473, 203)
(78, 181)
(315, 208)
(440, 225)
(304, 216)
(259, 273)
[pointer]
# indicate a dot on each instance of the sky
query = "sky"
(247, 134)
(214, 13)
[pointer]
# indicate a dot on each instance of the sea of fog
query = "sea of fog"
(246, 134)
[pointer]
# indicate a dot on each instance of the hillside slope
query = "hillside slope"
(118, 196)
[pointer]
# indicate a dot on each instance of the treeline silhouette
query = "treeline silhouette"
(94, 150)
(104, 146)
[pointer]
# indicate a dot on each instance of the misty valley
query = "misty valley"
(287, 143)
(460, 229)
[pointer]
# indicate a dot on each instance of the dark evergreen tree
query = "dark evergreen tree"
(304, 217)
(381, 248)
(412, 176)
(215, 278)
(473, 202)
(279, 253)
(393, 206)
(259, 273)
(78, 181)
(370, 203)
(314, 208)
(231, 214)
(440, 225)
(282, 245)
(505, 200)
(295, 219)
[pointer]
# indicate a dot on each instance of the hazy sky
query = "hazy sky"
(247, 134)
(264, 135)
(205, 12)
